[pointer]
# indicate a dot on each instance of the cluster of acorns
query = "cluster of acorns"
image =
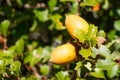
(66, 53)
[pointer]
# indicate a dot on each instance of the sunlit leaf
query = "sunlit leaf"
(66, 0)
(101, 33)
(80, 35)
(103, 50)
(115, 55)
(51, 4)
(105, 64)
(36, 54)
(45, 54)
(106, 4)
(62, 75)
(4, 27)
(44, 69)
(77, 68)
(59, 25)
(2, 66)
(19, 46)
(112, 71)
(85, 52)
(98, 73)
(88, 2)
(41, 15)
(92, 32)
(88, 66)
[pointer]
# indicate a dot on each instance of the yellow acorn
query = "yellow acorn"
(63, 54)
(75, 22)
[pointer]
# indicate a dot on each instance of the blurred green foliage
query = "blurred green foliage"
(31, 29)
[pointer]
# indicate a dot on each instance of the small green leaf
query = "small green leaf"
(2, 66)
(41, 15)
(88, 2)
(45, 54)
(105, 64)
(34, 25)
(19, 46)
(85, 52)
(66, 0)
(15, 68)
(78, 68)
(74, 7)
(92, 32)
(98, 73)
(4, 27)
(112, 71)
(101, 33)
(106, 4)
(112, 34)
(88, 66)
(103, 50)
(44, 69)
(62, 75)
(115, 55)
(36, 56)
(117, 25)
(79, 34)
(52, 4)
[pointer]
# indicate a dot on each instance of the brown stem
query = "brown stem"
(4, 44)
(18, 78)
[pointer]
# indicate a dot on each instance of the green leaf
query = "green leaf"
(45, 54)
(55, 17)
(15, 68)
(115, 55)
(19, 46)
(92, 32)
(74, 7)
(92, 35)
(117, 25)
(2, 66)
(41, 15)
(85, 52)
(19, 2)
(88, 2)
(66, 0)
(36, 56)
(106, 4)
(52, 4)
(98, 73)
(77, 68)
(112, 71)
(4, 27)
(34, 25)
(62, 75)
(88, 66)
(103, 50)
(44, 69)
(101, 33)
(105, 64)
(79, 34)
(112, 34)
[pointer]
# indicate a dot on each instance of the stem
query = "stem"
(4, 44)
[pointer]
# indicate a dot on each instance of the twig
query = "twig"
(50, 69)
